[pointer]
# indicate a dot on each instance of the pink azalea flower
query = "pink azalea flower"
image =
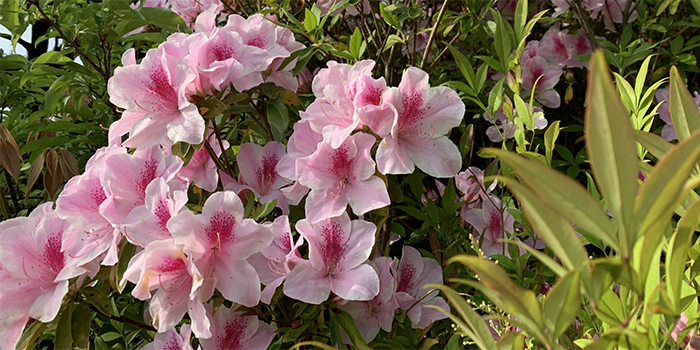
(424, 116)
(379, 312)
(559, 47)
(148, 223)
(232, 330)
(170, 340)
(302, 143)
(338, 250)
(127, 176)
(30, 260)
(258, 168)
(412, 275)
(691, 340)
(155, 92)
(219, 241)
(471, 184)
(180, 287)
(342, 176)
(492, 221)
(536, 67)
(275, 262)
(201, 168)
(190, 9)
(223, 58)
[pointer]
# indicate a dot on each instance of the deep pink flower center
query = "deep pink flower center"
(160, 84)
(222, 52)
(52, 255)
(220, 229)
(172, 264)
(162, 213)
(258, 41)
(408, 273)
(286, 242)
(413, 111)
(146, 175)
(97, 193)
(495, 227)
(266, 173)
(172, 343)
(233, 333)
(333, 247)
(341, 163)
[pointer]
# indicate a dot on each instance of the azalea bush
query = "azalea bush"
(349, 174)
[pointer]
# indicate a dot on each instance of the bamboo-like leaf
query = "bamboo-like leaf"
(80, 326)
(611, 146)
(542, 257)
(562, 304)
(64, 339)
(653, 143)
(482, 336)
(555, 230)
(346, 321)
(573, 202)
(684, 111)
(678, 253)
(662, 189)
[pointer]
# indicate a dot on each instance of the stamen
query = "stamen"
(24, 269)
(133, 240)
(160, 282)
(426, 142)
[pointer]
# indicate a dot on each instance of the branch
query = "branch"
(124, 319)
(432, 35)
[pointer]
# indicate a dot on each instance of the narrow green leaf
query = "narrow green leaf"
(550, 138)
(80, 327)
(97, 299)
(278, 116)
(641, 77)
(348, 324)
(264, 210)
(125, 255)
(483, 337)
(310, 21)
(30, 336)
(501, 41)
(511, 341)
(520, 20)
(684, 111)
(653, 143)
(355, 43)
(611, 147)
(678, 254)
(572, 200)
(555, 230)
(464, 65)
(64, 339)
(562, 304)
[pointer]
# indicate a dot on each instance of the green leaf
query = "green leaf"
(511, 341)
(80, 327)
(355, 43)
(641, 76)
(629, 99)
(42, 144)
(501, 41)
(52, 57)
(550, 138)
(162, 17)
(31, 336)
(348, 324)
(125, 255)
(684, 111)
(661, 191)
(97, 299)
(464, 66)
(482, 336)
(64, 339)
(572, 200)
(678, 253)
(555, 230)
(310, 21)
(611, 147)
(562, 304)
(656, 145)
(520, 20)
(278, 117)
(303, 59)
(392, 40)
(9, 14)
(264, 209)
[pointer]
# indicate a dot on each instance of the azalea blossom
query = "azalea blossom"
(491, 221)
(258, 170)
(504, 128)
(171, 340)
(275, 262)
(219, 240)
(302, 143)
(379, 312)
(180, 287)
(155, 95)
(341, 176)
(338, 251)
(537, 70)
(424, 115)
(560, 47)
(230, 330)
(201, 169)
(31, 258)
(412, 275)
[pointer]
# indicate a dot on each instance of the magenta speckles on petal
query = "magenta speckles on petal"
(98, 195)
(146, 175)
(222, 52)
(258, 41)
(233, 334)
(160, 84)
(267, 173)
(333, 247)
(221, 227)
(172, 343)
(52, 255)
(163, 214)
(406, 280)
(172, 264)
(413, 111)
(341, 165)
(495, 226)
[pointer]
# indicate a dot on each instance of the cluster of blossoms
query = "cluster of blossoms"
(183, 257)
(612, 11)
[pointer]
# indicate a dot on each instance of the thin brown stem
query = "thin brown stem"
(437, 59)
(124, 319)
(221, 146)
(432, 34)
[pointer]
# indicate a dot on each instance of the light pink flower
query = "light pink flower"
(180, 287)
(201, 169)
(302, 143)
(275, 262)
(30, 260)
(412, 274)
(232, 330)
(258, 169)
(492, 220)
(338, 250)
(668, 133)
(155, 93)
(424, 116)
(219, 241)
(148, 223)
(471, 183)
(559, 47)
(341, 176)
(536, 67)
(171, 340)
(503, 127)
(379, 312)
(190, 9)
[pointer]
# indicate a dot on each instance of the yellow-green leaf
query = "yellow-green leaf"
(684, 111)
